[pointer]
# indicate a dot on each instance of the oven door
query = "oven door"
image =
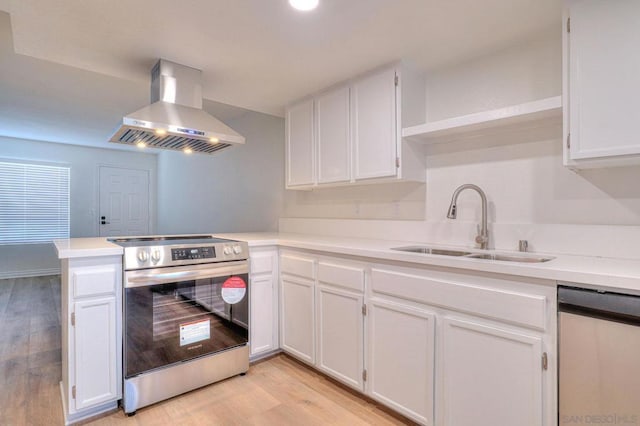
(175, 314)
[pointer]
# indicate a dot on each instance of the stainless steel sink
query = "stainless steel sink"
(510, 258)
(474, 255)
(430, 250)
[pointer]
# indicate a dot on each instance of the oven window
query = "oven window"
(169, 323)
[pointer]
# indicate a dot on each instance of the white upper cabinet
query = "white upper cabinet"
(374, 125)
(300, 154)
(332, 126)
(601, 69)
(357, 133)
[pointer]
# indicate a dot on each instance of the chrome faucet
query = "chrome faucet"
(483, 234)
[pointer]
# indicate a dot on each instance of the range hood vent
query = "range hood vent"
(175, 119)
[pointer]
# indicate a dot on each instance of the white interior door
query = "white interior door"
(124, 202)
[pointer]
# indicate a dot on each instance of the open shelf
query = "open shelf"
(485, 122)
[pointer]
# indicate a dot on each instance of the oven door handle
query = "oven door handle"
(168, 277)
(146, 278)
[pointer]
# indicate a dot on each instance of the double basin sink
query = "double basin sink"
(474, 255)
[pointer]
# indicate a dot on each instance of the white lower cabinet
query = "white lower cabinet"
(440, 346)
(340, 322)
(401, 358)
(297, 319)
(489, 375)
(95, 351)
(297, 330)
(263, 301)
(493, 337)
(91, 336)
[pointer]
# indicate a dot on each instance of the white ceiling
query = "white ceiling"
(255, 54)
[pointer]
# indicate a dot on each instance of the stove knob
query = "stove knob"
(155, 256)
(237, 249)
(143, 256)
(227, 250)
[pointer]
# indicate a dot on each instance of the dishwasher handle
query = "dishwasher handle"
(600, 304)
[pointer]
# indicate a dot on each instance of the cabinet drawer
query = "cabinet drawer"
(341, 276)
(261, 263)
(94, 281)
(518, 308)
(302, 267)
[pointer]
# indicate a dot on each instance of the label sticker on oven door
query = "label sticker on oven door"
(191, 332)
(233, 290)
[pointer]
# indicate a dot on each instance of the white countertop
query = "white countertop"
(609, 273)
(621, 274)
(86, 247)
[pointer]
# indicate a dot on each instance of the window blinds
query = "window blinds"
(34, 203)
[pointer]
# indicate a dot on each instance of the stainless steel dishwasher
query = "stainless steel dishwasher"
(599, 357)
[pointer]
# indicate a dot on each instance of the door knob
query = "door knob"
(103, 221)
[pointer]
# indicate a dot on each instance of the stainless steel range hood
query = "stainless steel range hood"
(175, 119)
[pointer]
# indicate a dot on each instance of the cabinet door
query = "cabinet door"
(340, 325)
(95, 352)
(401, 358)
(297, 325)
(332, 126)
(299, 154)
(261, 301)
(374, 125)
(489, 376)
(603, 69)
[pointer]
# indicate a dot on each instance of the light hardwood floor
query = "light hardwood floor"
(279, 391)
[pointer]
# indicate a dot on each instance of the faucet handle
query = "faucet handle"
(481, 239)
(523, 245)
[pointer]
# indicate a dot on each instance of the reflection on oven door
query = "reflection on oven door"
(169, 323)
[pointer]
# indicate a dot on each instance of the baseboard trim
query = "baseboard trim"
(254, 359)
(29, 273)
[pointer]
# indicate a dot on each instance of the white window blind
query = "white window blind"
(34, 203)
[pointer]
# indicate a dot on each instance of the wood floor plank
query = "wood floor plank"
(6, 287)
(13, 392)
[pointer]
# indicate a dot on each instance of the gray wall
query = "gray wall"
(84, 162)
(237, 190)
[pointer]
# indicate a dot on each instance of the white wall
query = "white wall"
(84, 162)
(236, 190)
(404, 201)
(531, 195)
(528, 71)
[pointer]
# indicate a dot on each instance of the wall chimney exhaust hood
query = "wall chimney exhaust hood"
(175, 119)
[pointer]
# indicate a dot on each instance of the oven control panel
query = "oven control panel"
(193, 253)
(161, 255)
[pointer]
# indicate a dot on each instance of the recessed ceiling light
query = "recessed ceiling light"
(304, 4)
(187, 150)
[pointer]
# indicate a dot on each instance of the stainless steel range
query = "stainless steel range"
(186, 315)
